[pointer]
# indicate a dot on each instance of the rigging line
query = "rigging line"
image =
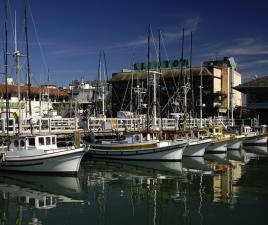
(163, 78)
(165, 49)
(10, 15)
(124, 96)
(169, 100)
(105, 66)
(165, 86)
(37, 37)
(154, 42)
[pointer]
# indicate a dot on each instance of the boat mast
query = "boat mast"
(159, 67)
(6, 67)
(17, 56)
(131, 89)
(148, 80)
(201, 97)
(182, 56)
(191, 74)
(28, 56)
(231, 97)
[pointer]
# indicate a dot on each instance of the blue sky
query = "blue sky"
(67, 35)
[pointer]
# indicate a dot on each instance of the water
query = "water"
(224, 189)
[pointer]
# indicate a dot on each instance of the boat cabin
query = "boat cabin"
(215, 131)
(45, 142)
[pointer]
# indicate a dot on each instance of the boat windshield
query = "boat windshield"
(41, 140)
(31, 141)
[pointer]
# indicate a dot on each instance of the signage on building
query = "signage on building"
(166, 64)
(12, 105)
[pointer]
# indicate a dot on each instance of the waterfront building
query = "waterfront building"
(42, 99)
(218, 78)
(91, 96)
(256, 91)
(81, 91)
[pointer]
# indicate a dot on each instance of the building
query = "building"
(228, 77)
(257, 96)
(42, 99)
(91, 96)
(129, 88)
(81, 91)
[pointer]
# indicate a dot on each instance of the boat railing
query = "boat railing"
(42, 125)
(69, 125)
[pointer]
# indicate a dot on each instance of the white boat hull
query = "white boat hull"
(196, 149)
(217, 147)
(67, 162)
(257, 140)
(235, 143)
(172, 152)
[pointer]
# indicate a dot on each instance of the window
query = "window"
(48, 142)
(41, 141)
(22, 143)
(53, 140)
(16, 143)
(31, 141)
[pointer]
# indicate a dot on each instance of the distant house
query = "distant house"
(257, 96)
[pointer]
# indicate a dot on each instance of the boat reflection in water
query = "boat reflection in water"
(149, 191)
(134, 192)
(217, 158)
(196, 164)
(261, 150)
(35, 195)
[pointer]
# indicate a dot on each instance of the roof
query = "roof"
(256, 84)
(126, 76)
(34, 90)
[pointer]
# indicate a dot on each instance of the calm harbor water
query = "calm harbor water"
(224, 189)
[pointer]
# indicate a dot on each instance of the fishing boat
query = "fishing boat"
(196, 147)
(136, 147)
(41, 154)
(219, 140)
(235, 142)
(258, 140)
(218, 145)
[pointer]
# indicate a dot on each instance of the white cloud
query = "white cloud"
(246, 46)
